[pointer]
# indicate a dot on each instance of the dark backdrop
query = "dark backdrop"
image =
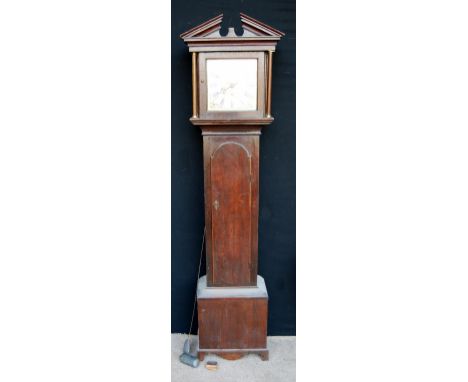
(277, 220)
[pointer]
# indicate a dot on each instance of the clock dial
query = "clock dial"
(232, 84)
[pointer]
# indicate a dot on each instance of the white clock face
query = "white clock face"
(231, 84)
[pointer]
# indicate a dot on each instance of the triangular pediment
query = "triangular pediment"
(257, 28)
(204, 29)
(253, 29)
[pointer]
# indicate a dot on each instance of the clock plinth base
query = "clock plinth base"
(232, 321)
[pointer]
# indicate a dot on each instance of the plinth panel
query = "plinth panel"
(232, 321)
(235, 323)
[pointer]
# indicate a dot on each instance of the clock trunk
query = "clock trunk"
(231, 206)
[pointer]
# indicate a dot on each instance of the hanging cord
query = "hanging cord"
(198, 276)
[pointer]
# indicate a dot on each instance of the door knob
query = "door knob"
(216, 204)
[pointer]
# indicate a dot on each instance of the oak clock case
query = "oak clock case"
(231, 102)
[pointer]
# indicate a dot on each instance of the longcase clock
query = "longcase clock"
(231, 102)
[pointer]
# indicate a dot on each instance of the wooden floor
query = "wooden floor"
(281, 366)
